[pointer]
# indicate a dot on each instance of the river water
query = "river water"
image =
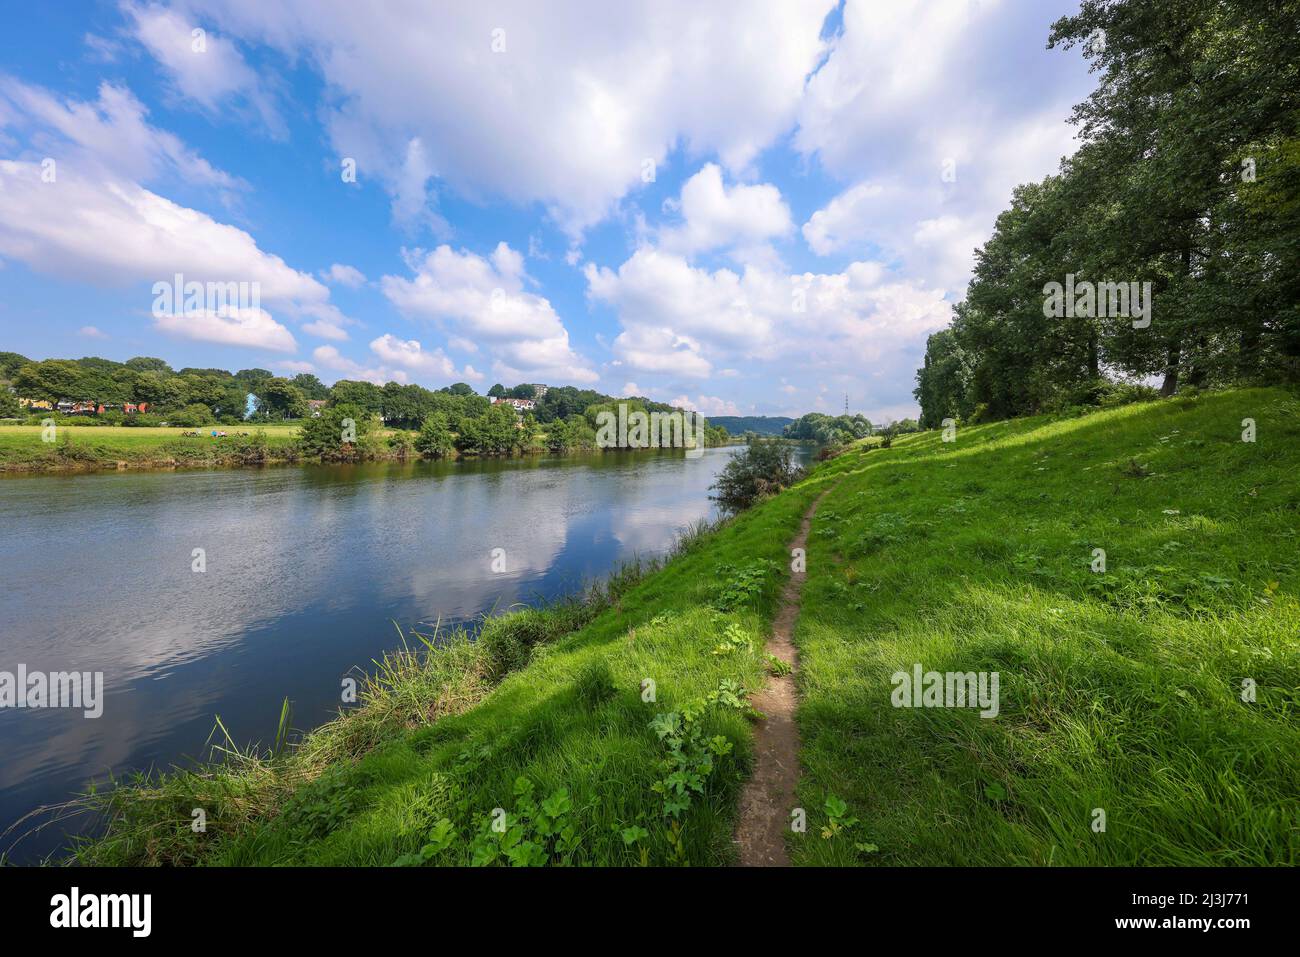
(304, 572)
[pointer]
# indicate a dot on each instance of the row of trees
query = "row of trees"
(497, 430)
(407, 406)
(195, 396)
(828, 429)
(349, 431)
(353, 431)
(189, 396)
(454, 417)
(524, 391)
(1187, 178)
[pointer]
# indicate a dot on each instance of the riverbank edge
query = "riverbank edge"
(430, 678)
(504, 742)
(234, 460)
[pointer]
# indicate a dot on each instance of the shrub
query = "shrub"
(434, 439)
(69, 451)
(255, 449)
(493, 433)
(143, 420)
(328, 434)
(1126, 393)
(1083, 396)
(192, 416)
(764, 468)
(401, 444)
(563, 435)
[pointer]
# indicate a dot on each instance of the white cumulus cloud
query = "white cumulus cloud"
(253, 328)
(487, 299)
(86, 216)
(344, 275)
(409, 354)
(586, 92)
(206, 68)
(740, 218)
(922, 110)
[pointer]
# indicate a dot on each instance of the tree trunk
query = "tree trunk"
(1170, 385)
(1248, 352)
(1196, 373)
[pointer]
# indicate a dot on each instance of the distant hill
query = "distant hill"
(762, 424)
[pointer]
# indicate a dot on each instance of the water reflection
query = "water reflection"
(306, 568)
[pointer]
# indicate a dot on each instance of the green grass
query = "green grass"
(22, 447)
(1119, 691)
(383, 775)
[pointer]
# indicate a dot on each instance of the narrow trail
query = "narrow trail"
(768, 796)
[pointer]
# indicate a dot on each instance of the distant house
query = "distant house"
(520, 405)
(540, 390)
(68, 407)
(315, 406)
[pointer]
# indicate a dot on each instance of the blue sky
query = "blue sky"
(749, 208)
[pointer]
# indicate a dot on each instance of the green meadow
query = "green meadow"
(1120, 690)
(615, 730)
(23, 447)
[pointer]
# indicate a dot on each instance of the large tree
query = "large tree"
(52, 380)
(10, 363)
(279, 398)
(1195, 102)
(943, 382)
(367, 395)
(310, 386)
(149, 364)
(1186, 182)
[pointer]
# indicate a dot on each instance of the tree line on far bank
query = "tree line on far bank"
(225, 395)
(429, 422)
(837, 430)
(1187, 178)
(347, 430)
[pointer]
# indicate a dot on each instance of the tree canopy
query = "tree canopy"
(1187, 179)
(828, 429)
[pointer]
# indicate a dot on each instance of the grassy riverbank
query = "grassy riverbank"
(1120, 690)
(86, 448)
(553, 697)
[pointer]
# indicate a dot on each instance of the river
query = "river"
(303, 572)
